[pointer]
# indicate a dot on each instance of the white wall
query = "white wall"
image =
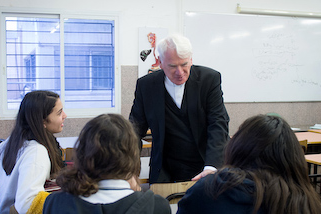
(154, 13)
(169, 14)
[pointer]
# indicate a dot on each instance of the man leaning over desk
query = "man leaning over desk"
(182, 104)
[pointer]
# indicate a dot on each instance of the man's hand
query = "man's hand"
(203, 174)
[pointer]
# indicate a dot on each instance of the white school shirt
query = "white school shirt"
(177, 93)
(109, 191)
(27, 178)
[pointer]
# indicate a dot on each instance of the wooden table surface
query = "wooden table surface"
(312, 137)
(313, 158)
(315, 130)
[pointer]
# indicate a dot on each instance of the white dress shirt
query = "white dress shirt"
(109, 191)
(176, 91)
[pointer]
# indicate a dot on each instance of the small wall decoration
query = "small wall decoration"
(148, 56)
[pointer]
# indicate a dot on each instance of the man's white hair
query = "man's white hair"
(177, 42)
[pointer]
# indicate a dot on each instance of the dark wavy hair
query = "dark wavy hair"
(106, 149)
(266, 150)
(34, 110)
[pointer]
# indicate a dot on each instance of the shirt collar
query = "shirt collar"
(113, 183)
(169, 83)
(175, 91)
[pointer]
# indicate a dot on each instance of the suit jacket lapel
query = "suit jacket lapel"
(159, 102)
(193, 102)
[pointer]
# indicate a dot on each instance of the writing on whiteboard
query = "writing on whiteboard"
(260, 58)
(273, 55)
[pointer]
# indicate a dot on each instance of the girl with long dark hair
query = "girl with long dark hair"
(31, 155)
(265, 171)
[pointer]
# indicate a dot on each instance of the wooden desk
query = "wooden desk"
(147, 140)
(314, 159)
(144, 171)
(146, 144)
(166, 189)
(313, 138)
(315, 130)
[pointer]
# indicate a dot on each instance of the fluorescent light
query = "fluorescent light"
(276, 12)
(311, 22)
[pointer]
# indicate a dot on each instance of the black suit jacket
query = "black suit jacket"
(206, 111)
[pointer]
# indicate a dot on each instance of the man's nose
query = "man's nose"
(179, 70)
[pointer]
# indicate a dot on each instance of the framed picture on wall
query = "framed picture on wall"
(148, 56)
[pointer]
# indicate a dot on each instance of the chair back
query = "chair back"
(304, 144)
(67, 154)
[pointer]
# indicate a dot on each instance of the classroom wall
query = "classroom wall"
(169, 14)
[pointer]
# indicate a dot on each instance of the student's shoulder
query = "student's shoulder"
(58, 202)
(3, 145)
(149, 194)
(32, 144)
(59, 195)
(161, 205)
(37, 149)
(162, 202)
(58, 198)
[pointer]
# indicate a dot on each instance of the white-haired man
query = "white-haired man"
(183, 106)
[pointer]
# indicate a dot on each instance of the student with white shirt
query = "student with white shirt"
(31, 155)
(183, 106)
(104, 178)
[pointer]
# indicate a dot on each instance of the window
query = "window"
(30, 64)
(75, 57)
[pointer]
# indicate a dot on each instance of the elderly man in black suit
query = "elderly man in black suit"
(183, 106)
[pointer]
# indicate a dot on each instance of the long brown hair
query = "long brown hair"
(34, 109)
(266, 150)
(106, 149)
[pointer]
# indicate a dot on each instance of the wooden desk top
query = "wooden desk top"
(144, 172)
(313, 138)
(147, 144)
(313, 158)
(315, 130)
(147, 140)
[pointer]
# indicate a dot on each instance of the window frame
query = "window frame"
(8, 114)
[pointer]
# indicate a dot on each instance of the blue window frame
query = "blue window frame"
(30, 63)
(71, 56)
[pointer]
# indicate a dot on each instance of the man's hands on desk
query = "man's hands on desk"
(203, 174)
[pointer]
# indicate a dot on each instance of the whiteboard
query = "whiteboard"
(261, 58)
